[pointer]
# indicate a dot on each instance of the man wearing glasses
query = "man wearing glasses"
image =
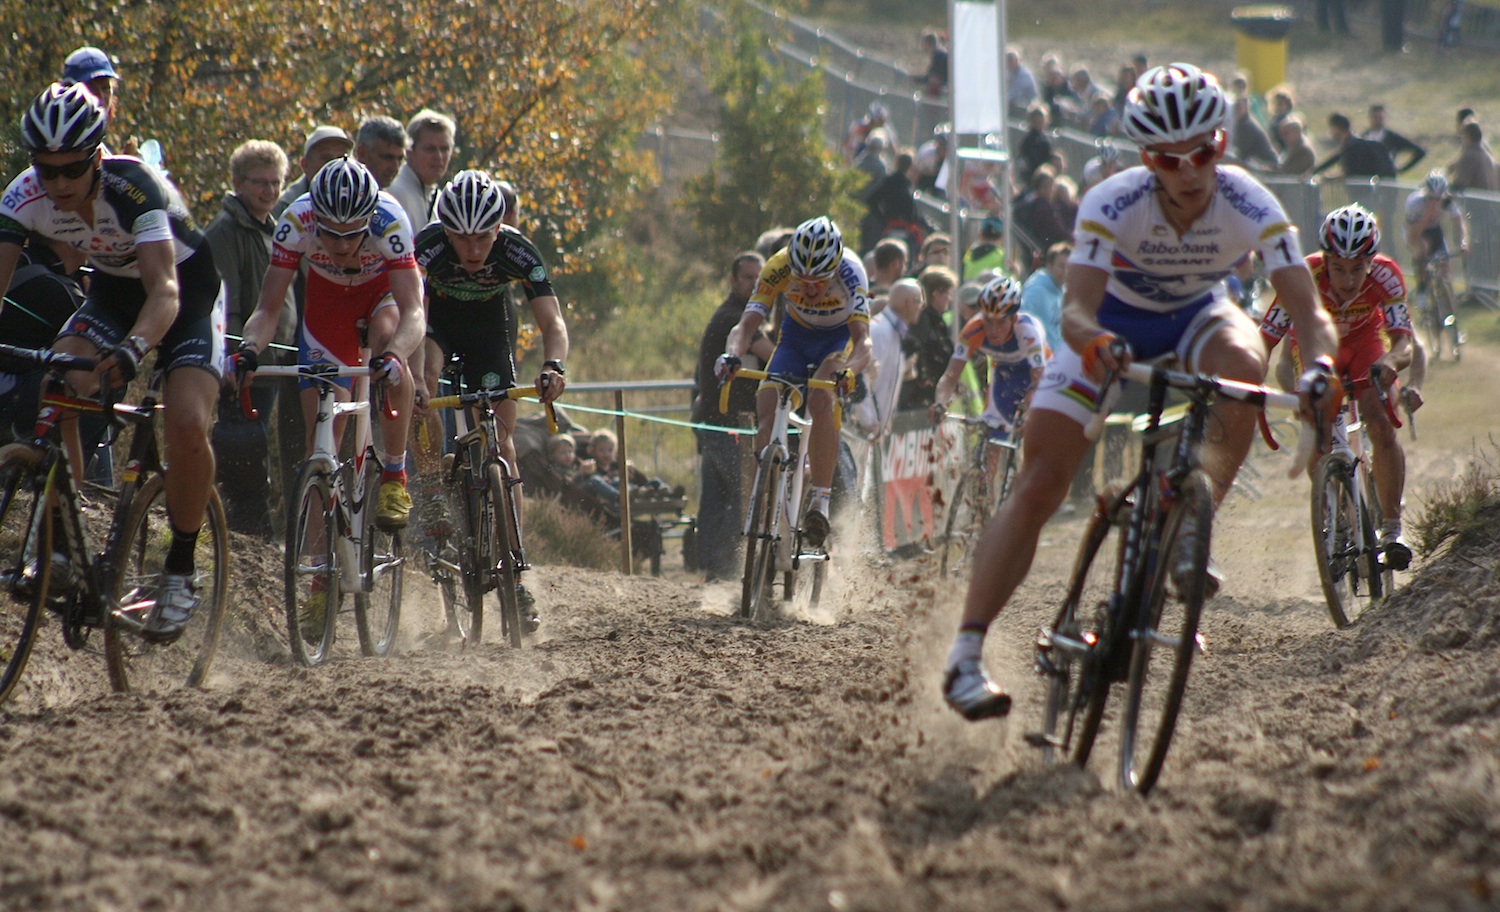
(827, 324)
(356, 243)
(154, 286)
(1152, 246)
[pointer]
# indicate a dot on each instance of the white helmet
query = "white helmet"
(1001, 297)
(816, 248)
(1350, 232)
(344, 191)
(471, 204)
(1174, 103)
(64, 118)
(1435, 184)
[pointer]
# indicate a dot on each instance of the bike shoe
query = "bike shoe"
(971, 693)
(1394, 551)
(23, 585)
(394, 505)
(176, 600)
(526, 602)
(814, 529)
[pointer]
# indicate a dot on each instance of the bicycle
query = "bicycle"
(47, 559)
(777, 501)
(980, 489)
(1133, 592)
(1346, 516)
(1439, 309)
(479, 482)
(333, 544)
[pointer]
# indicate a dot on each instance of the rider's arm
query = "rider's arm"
(1298, 296)
(1416, 377)
(948, 383)
(1083, 293)
(261, 327)
(862, 348)
(739, 337)
(549, 319)
(157, 262)
(1398, 356)
(406, 288)
(1461, 225)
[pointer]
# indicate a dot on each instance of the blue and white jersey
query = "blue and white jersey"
(1122, 230)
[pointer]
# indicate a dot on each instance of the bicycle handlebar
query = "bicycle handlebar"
(321, 373)
(746, 373)
(480, 396)
(17, 360)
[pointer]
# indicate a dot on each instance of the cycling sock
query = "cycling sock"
(180, 553)
(819, 500)
(967, 646)
(392, 468)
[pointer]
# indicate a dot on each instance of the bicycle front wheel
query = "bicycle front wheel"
(377, 611)
(138, 563)
(1005, 473)
(21, 493)
(1165, 636)
(1343, 539)
(463, 592)
(959, 518)
(760, 548)
(504, 548)
(314, 594)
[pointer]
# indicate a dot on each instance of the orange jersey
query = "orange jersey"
(1380, 304)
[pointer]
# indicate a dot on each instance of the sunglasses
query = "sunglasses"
(812, 280)
(1171, 161)
(72, 170)
(325, 231)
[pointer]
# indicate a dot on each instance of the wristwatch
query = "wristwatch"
(555, 365)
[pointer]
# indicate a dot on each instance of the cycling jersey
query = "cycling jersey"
(1379, 305)
(1011, 364)
(469, 313)
(845, 298)
(338, 299)
(1433, 233)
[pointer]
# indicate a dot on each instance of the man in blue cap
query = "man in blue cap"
(92, 67)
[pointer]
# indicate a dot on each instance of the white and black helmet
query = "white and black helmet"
(1350, 232)
(1174, 103)
(1000, 297)
(344, 191)
(64, 118)
(1435, 184)
(816, 248)
(471, 203)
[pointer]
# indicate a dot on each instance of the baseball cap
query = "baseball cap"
(87, 63)
(968, 294)
(992, 227)
(324, 132)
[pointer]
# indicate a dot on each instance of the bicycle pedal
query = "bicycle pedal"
(1042, 740)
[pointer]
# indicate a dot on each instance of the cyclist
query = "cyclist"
(1425, 210)
(356, 243)
(1152, 246)
(470, 258)
(1016, 346)
(1365, 294)
(827, 324)
(154, 285)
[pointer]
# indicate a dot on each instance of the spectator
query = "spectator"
(1282, 105)
(1331, 12)
(1474, 169)
(936, 250)
(1357, 157)
(935, 80)
(719, 510)
(1020, 83)
(323, 145)
(1084, 89)
(1239, 87)
(1058, 97)
(876, 117)
(928, 339)
(1392, 25)
(872, 160)
(1104, 120)
(1042, 294)
(889, 258)
(1038, 224)
(555, 469)
(893, 207)
(1394, 142)
(988, 251)
(1065, 201)
(380, 145)
(931, 158)
(1297, 157)
(1124, 81)
(1105, 163)
(240, 237)
(92, 67)
(1035, 148)
(420, 178)
(887, 332)
(1450, 26)
(604, 473)
(1249, 143)
(1140, 62)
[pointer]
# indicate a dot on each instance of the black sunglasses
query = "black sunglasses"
(72, 170)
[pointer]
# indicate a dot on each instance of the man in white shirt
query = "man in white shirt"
(421, 176)
(887, 330)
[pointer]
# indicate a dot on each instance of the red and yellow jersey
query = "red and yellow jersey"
(843, 299)
(1380, 304)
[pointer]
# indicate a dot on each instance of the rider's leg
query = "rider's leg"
(765, 412)
(1234, 352)
(188, 405)
(81, 384)
(383, 323)
(1388, 463)
(823, 440)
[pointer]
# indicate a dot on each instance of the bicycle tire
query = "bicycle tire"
(467, 603)
(1337, 527)
(1077, 688)
(312, 567)
(1169, 625)
(956, 506)
(754, 544)
(140, 557)
(20, 494)
(377, 610)
(502, 553)
(1006, 473)
(1440, 302)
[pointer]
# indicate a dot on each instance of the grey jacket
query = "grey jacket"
(242, 251)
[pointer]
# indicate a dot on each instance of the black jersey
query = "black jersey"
(513, 258)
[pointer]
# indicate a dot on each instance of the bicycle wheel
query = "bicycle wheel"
(1166, 635)
(20, 495)
(377, 612)
(760, 549)
(463, 595)
(504, 547)
(1005, 473)
(1439, 304)
(1451, 330)
(958, 518)
(314, 592)
(137, 564)
(1348, 571)
(1069, 655)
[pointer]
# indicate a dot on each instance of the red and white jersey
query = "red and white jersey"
(1379, 304)
(387, 246)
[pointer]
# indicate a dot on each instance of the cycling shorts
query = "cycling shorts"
(330, 332)
(1008, 387)
(195, 338)
(1066, 388)
(1436, 244)
(800, 346)
(1357, 352)
(478, 332)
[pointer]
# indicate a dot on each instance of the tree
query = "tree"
(773, 164)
